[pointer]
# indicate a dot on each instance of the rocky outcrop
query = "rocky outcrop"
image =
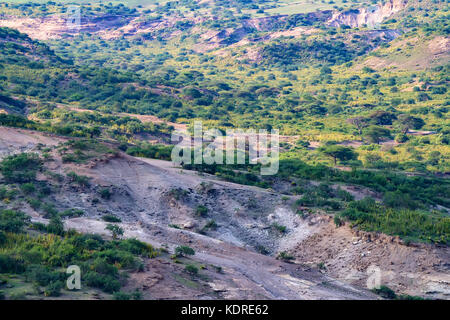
(370, 16)
(55, 26)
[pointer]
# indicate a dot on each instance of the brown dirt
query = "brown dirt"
(418, 269)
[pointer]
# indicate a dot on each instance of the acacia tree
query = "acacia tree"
(407, 122)
(381, 117)
(359, 122)
(338, 152)
(376, 134)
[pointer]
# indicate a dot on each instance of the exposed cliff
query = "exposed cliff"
(370, 16)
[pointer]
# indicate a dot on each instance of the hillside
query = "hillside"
(358, 91)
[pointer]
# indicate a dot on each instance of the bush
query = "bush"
(80, 180)
(152, 151)
(385, 292)
(121, 296)
(397, 199)
(116, 230)
(13, 221)
(184, 250)
(2, 238)
(70, 213)
(138, 247)
(54, 289)
(283, 255)
(105, 193)
(401, 138)
(20, 168)
(409, 224)
(338, 221)
(56, 226)
(104, 282)
(344, 195)
(281, 229)
(111, 218)
(43, 276)
(10, 264)
(28, 188)
(201, 211)
(191, 269)
(34, 203)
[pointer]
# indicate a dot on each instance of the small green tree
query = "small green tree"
(406, 122)
(338, 152)
(376, 134)
(56, 225)
(116, 230)
(359, 122)
(184, 250)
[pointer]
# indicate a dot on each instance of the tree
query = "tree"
(184, 250)
(407, 122)
(381, 117)
(12, 221)
(338, 152)
(376, 134)
(56, 225)
(359, 122)
(116, 230)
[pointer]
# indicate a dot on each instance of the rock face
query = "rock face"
(370, 16)
(116, 26)
(55, 26)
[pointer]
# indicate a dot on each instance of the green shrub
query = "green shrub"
(137, 247)
(28, 188)
(338, 221)
(10, 264)
(20, 168)
(385, 292)
(283, 255)
(191, 269)
(201, 211)
(111, 218)
(344, 195)
(54, 289)
(105, 193)
(116, 230)
(56, 226)
(80, 180)
(34, 203)
(121, 296)
(281, 229)
(43, 276)
(13, 221)
(184, 250)
(2, 238)
(70, 213)
(397, 199)
(104, 282)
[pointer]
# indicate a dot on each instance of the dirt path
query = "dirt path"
(249, 271)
